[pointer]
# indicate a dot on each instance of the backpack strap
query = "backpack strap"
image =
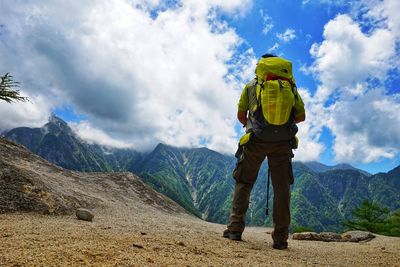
(294, 90)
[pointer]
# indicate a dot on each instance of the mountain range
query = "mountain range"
(200, 179)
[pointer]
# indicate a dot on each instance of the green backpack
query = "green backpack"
(273, 116)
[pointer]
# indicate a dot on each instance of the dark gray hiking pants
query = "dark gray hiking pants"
(279, 156)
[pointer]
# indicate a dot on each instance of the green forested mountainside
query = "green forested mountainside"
(200, 179)
(117, 159)
(164, 170)
(385, 188)
(195, 178)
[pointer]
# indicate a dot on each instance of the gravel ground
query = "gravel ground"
(154, 238)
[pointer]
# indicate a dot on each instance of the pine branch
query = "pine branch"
(8, 91)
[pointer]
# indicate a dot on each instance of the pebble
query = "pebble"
(137, 246)
(180, 243)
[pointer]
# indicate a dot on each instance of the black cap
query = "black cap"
(268, 55)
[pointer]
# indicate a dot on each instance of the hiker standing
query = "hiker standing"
(269, 108)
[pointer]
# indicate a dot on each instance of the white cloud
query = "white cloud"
(348, 56)
(139, 78)
(310, 147)
(33, 113)
(274, 48)
(325, 2)
(287, 36)
(383, 13)
(367, 128)
(225, 5)
(357, 111)
(93, 135)
(267, 22)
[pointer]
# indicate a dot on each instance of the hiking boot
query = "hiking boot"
(237, 236)
(280, 245)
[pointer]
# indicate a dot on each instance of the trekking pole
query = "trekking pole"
(268, 178)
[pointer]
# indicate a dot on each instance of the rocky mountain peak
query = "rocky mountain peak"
(56, 126)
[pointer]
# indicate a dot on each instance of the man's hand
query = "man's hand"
(242, 117)
(300, 118)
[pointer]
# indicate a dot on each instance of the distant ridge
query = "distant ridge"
(319, 167)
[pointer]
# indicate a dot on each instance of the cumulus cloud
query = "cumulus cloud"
(310, 148)
(33, 113)
(352, 67)
(383, 13)
(347, 55)
(142, 72)
(93, 135)
(367, 128)
(287, 36)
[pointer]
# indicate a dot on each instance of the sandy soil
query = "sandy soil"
(158, 239)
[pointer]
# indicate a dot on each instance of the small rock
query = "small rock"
(357, 236)
(84, 214)
(180, 243)
(143, 233)
(137, 246)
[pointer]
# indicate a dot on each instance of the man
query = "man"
(266, 140)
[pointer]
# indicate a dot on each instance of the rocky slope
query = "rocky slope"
(29, 183)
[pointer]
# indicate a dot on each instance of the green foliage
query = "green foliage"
(8, 91)
(393, 225)
(300, 229)
(374, 218)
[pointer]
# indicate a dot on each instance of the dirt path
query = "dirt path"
(156, 239)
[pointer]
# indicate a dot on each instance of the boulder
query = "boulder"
(357, 236)
(84, 214)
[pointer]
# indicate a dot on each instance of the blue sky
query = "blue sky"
(133, 73)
